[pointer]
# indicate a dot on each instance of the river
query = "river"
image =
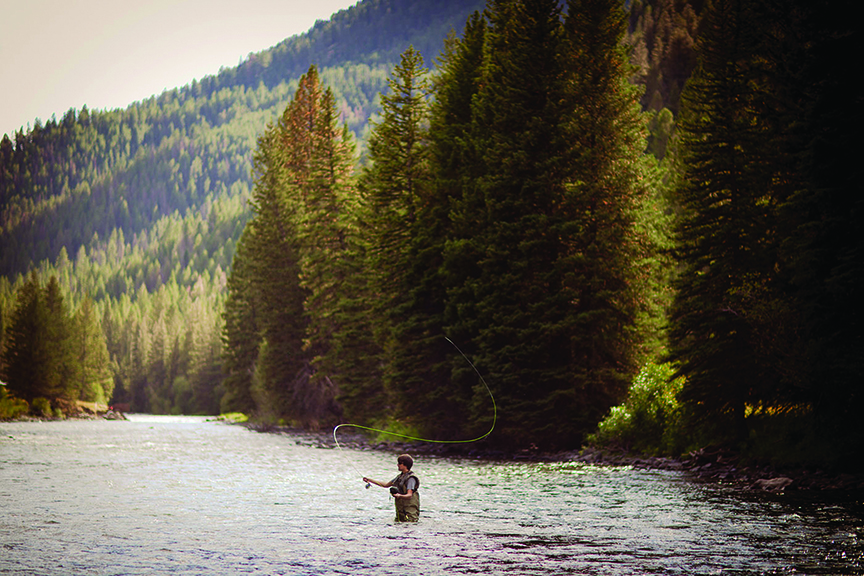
(183, 495)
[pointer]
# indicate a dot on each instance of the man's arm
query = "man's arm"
(377, 483)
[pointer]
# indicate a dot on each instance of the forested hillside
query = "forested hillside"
(641, 216)
(141, 209)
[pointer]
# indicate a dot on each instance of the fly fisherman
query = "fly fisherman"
(404, 489)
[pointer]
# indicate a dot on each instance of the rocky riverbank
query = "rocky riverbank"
(724, 465)
(711, 464)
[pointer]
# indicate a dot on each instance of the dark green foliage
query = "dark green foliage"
(25, 369)
(500, 259)
(52, 353)
(540, 263)
(762, 272)
(725, 237)
(404, 235)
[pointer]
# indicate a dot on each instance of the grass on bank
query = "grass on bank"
(10, 406)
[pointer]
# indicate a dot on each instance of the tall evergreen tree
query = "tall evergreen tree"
(450, 216)
(611, 278)
(295, 253)
(241, 336)
(730, 184)
(274, 263)
(501, 256)
(25, 368)
(457, 80)
(404, 237)
(96, 380)
(61, 364)
(321, 158)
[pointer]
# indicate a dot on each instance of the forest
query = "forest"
(636, 221)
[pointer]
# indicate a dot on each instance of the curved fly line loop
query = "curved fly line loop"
(416, 438)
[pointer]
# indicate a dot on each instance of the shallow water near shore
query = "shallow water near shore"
(183, 495)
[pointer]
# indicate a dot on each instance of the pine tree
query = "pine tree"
(61, 364)
(321, 157)
(294, 261)
(327, 202)
(25, 369)
(503, 255)
(608, 256)
(729, 189)
(274, 266)
(452, 215)
(96, 380)
(241, 335)
(404, 235)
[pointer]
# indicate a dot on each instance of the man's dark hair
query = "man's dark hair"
(406, 460)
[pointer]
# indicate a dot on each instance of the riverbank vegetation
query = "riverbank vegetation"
(762, 328)
(639, 225)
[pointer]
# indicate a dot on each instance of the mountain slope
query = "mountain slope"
(93, 171)
(141, 209)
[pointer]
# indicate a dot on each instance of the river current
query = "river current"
(183, 495)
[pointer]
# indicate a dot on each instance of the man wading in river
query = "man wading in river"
(404, 489)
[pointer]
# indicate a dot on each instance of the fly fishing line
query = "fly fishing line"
(418, 439)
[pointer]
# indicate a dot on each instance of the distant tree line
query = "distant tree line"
(53, 352)
(156, 302)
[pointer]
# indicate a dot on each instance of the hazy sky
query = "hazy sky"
(61, 54)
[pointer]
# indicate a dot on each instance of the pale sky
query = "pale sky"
(62, 54)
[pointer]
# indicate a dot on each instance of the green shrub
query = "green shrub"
(235, 417)
(41, 407)
(10, 406)
(650, 419)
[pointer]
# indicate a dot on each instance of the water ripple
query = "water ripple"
(181, 495)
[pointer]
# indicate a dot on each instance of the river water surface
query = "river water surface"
(182, 495)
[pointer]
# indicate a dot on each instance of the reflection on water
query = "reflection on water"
(182, 495)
